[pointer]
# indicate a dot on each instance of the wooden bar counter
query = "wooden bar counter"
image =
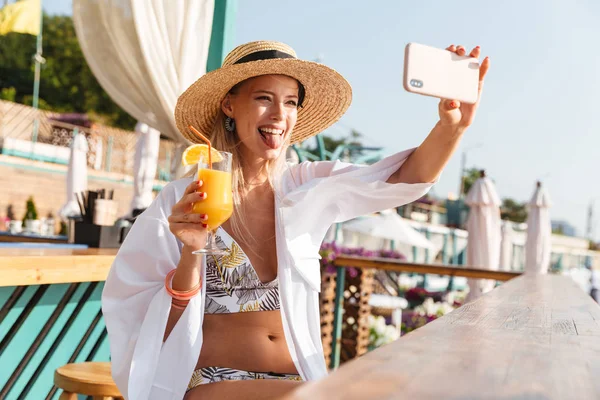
(531, 338)
(50, 315)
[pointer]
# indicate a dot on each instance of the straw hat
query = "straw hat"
(327, 93)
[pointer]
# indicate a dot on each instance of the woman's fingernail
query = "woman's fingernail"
(477, 47)
(199, 183)
(203, 216)
(453, 104)
(204, 226)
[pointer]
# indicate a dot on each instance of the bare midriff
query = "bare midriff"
(249, 341)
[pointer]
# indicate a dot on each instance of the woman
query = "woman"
(253, 329)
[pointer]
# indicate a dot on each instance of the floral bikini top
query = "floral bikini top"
(232, 284)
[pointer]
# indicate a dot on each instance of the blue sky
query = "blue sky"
(539, 115)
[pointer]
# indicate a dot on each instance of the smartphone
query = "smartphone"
(440, 73)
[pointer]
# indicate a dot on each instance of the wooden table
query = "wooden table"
(45, 266)
(531, 338)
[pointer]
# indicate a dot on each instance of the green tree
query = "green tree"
(67, 83)
(16, 65)
(331, 144)
(514, 211)
(470, 176)
(355, 144)
(9, 94)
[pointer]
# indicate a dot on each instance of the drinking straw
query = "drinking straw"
(201, 136)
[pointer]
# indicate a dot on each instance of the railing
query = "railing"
(435, 269)
(342, 262)
(110, 149)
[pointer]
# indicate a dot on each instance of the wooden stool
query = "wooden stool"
(88, 378)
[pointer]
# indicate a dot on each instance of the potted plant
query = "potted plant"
(31, 221)
(379, 332)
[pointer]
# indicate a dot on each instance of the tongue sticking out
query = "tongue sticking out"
(272, 140)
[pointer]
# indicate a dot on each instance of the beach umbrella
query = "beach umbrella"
(506, 246)
(77, 179)
(144, 166)
(483, 225)
(539, 232)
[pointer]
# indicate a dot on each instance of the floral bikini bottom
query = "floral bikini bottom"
(219, 374)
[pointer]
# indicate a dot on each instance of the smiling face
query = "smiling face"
(265, 110)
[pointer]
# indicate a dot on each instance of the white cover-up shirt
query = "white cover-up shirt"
(309, 197)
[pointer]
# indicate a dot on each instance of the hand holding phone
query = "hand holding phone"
(441, 73)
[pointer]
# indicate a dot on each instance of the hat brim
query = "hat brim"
(328, 96)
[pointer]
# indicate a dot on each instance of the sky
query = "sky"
(538, 117)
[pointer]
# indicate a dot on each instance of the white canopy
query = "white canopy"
(146, 53)
(389, 225)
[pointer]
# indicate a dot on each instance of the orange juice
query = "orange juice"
(218, 204)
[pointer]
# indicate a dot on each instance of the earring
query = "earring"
(229, 124)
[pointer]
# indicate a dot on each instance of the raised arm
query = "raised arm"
(426, 163)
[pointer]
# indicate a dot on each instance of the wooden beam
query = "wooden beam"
(46, 266)
(436, 269)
